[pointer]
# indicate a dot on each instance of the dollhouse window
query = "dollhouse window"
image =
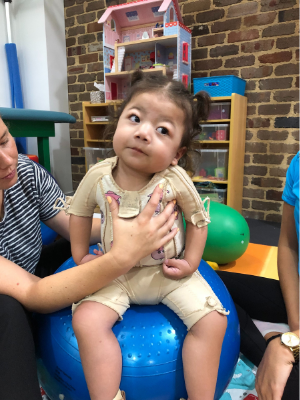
(185, 80)
(171, 14)
(185, 52)
(112, 25)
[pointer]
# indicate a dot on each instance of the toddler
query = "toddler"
(154, 130)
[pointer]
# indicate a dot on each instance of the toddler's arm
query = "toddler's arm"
(194, 247)
(80, 232)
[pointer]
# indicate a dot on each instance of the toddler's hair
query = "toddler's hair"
(195, 108)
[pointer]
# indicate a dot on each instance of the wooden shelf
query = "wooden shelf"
(97, 123)
(160, 70)
(213, 141)
(146, 44)
(215, 121)
(201, 179)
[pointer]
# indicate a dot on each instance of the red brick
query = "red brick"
(86, 18)
(225, 72)
(77, 125)
(71, 11)
(284, 148)
(267, 5)
(258, 97)
(228, 25)
(76, 88)
(77, 69)
(199, 54)
(74, 152)
(76, 51)
(221, 51)
(288, 15)
(86, 78)
(95, 5)
(94, 67)
(240, 36)
(199, 30)
(287, 69)
(289, 159)
(277, 83)
(255, 170)
(256, 147)
(267, 182)
(242, 9)
(245, 181)
(260, 19)
(76, 107)
(295, 135)
(251, 214)
(272, 135)
(210, 40)
(208, 16)
(84, 97)
(274, 109)
(245, 204)
(250, 85)
(297, 55)
(258, 122)
(253, 72)
(69, 3)
(72, 97)
(247, 159)
(88, 58)
(280, 172)
(286, 95)
(195, 6)
(69, 22)
(240, 61)
(274, 217)
(279, 30)
(76, 30)
(70, 42)
(297, 82)
(280, 57)
(94, 47)
(188, 19)
(89, 38)
(251, 110)
(267, 159)
(71, 79)
(296, 108)
(262, 45)
(224, 3)
(70, 61)
(207, 64)
(253, 193)
(287, 42)
(265, 205)
(100, 76)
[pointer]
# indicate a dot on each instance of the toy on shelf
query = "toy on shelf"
(143, 35)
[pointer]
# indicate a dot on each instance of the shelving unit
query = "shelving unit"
(93, 137)
(235, 146)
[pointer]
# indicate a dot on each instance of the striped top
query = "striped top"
(30, 200)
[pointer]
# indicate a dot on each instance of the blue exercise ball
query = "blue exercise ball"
(48, 234)
(151, 339)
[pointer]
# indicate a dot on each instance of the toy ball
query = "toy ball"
(228, 234)
(48, 235)
(151, 339)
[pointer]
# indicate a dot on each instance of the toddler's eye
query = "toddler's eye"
(134, 118)
(162, 130)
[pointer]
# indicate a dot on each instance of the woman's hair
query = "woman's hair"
(195, 108)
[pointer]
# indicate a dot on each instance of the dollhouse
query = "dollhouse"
(145, 34)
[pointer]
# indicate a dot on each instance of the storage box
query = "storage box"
(93, 155)
(219, 111)
(218, 195)
(214, 132)
(219, 86)
(213, 164)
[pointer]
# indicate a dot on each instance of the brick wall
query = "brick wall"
(255, 40)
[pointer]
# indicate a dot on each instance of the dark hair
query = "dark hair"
(195, 108)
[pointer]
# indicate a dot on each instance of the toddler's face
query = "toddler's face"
(149, 134)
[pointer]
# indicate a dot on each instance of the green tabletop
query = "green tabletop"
(35, 123)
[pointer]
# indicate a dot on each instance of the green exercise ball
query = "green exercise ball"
(228, 234)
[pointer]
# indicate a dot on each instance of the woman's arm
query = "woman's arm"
(133, 240)
(194, 247)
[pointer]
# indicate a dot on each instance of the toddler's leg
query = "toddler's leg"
(99, 349)
(201, 356)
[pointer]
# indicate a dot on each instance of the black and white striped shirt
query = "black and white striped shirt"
(30, 200)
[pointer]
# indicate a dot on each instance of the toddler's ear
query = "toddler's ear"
(178, 156)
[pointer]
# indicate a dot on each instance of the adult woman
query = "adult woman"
(26, 194)
(276, 302)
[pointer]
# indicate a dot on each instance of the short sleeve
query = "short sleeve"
(289, 195)
(48, 191)
(84, 200)
(187, 197)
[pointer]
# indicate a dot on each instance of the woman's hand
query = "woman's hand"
(273, 371)
(136, 238)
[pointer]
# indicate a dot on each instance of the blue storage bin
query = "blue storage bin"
(219, 86)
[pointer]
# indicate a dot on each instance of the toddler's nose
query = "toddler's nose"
(144, 132)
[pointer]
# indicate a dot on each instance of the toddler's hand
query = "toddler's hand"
(90, 257)
(176, 269)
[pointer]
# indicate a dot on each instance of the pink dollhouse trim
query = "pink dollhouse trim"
(165, 6)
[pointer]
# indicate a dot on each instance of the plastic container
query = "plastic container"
(93, 155)
(214, 132)
(213, 164)
(218, 195)
(218, 86)
(219, 110)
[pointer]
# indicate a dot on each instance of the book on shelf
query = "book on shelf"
(100, 118)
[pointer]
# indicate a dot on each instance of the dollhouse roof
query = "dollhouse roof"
(139, 12)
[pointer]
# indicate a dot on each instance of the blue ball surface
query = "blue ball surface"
(151, 339)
